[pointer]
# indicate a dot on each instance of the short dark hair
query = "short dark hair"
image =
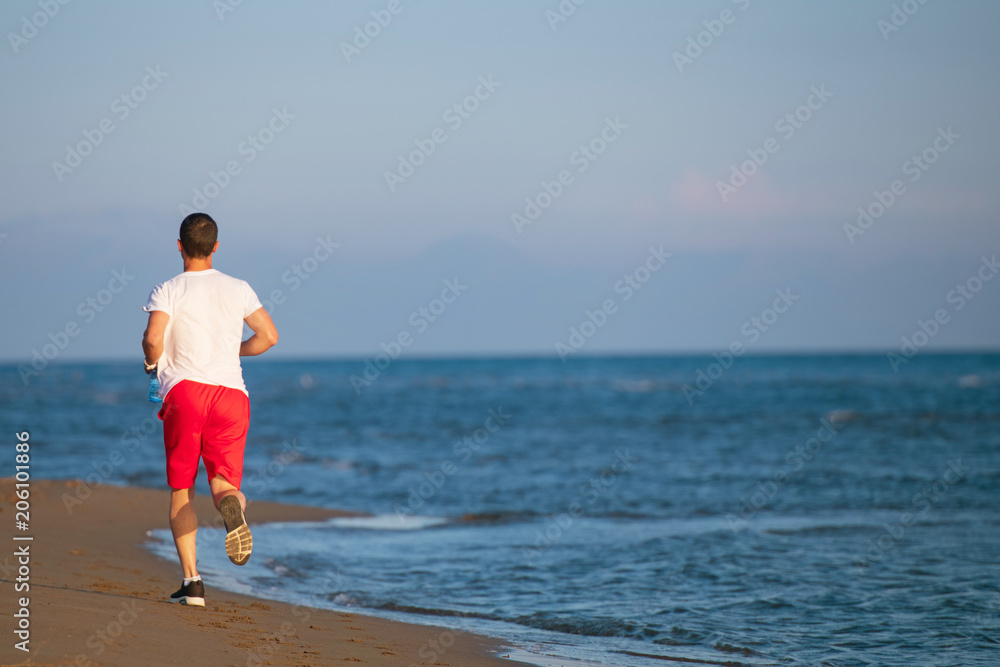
(198, 235)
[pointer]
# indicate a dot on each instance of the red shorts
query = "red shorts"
(207, 421)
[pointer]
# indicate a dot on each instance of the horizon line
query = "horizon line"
(546, 356)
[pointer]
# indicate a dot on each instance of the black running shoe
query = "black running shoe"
(239, 541)
(190, 594)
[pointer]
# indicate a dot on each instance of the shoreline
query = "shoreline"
(98, 597)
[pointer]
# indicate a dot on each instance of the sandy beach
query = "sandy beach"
(96, 596)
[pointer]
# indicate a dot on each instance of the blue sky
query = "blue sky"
(889, 94)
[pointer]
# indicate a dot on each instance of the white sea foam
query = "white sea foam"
(387, 522)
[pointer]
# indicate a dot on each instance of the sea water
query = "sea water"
(782, 510)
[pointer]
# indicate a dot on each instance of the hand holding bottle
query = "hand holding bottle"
(154, 384)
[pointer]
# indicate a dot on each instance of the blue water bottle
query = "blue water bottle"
(154, 388)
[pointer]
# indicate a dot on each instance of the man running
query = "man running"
(194, 341)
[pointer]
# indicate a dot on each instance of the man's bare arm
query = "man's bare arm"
(152, 338)
(264, 334)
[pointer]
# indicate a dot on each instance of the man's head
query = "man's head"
(199, 236)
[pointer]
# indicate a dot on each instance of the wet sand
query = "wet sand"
(98, 597)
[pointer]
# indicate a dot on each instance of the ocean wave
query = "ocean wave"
(681, 636)
(698, 661)
(819, 530)
(497, 517)
(590, 627)
(387, 522)
(431, 611)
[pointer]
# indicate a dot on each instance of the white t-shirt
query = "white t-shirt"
(202, 339)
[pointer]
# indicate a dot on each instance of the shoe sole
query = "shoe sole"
(239, 541)
(190, 601)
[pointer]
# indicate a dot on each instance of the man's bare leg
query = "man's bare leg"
(184, 526)
(231, 504)
(222, 488)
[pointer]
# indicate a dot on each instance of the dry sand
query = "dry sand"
(98, 597)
